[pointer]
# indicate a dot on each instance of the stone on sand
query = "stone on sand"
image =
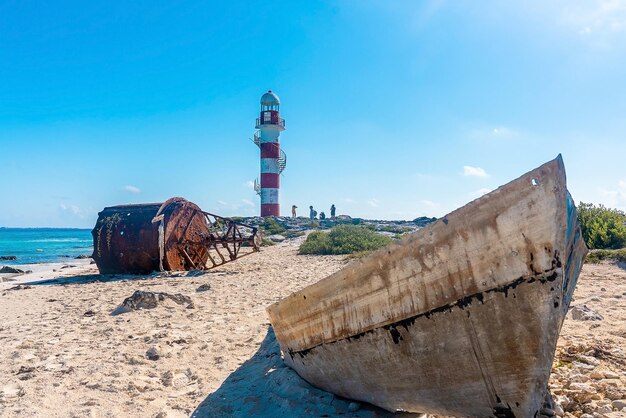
(584, 313)
(9, 269)
(150, 300)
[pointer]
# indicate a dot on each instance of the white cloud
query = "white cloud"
(73, 211)
(349, 200)
(247, 202)
(221, 202)
(615, 198)
(470, 171)
(594, 16)
(599, 23)
(132, 189)
(373, 202)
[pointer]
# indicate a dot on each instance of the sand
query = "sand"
(62, 353)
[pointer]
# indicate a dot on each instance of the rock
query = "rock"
(20, 287)
(596, 374)
(581, 378)
(9, 269)
(8, 257)
(203, 287)
(89, 313)
(276, 238)
(589, 360)
(149, 300)
(548, 412)
(82, 256)
(25, 369)
(586, 416)
(611, 375)
(605, 409)
(582, 387)
(558, 410)
(354, 406)
(154, 353)
(619, 404)
(12, 391)
(584, 313)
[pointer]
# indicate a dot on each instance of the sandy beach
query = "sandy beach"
(64, 355)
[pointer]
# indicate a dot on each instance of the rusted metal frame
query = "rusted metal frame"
(188, 258)
(224, 233)
(217, 250)
(226, 242)
(199, 257)
(212, 260)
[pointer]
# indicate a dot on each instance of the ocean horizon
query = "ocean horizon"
(44, 245)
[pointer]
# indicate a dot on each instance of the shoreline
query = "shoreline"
(43, 271)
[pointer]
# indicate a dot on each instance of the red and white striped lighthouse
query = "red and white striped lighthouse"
(273, 159)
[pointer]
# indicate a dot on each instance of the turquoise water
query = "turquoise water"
(43, 245)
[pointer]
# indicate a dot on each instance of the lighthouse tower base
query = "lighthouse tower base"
(270, 209)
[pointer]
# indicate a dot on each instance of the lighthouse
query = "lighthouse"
(269, 125)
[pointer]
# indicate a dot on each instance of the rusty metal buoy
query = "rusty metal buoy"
(174, 235)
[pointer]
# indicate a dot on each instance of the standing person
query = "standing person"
(312, 213)
(322, 216)
(293, 211)
(332, 211)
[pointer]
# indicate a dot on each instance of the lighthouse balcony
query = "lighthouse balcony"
(267, 121)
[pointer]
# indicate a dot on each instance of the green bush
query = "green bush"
(267, 242)
(394, 229)
(293, 234)
(271, 227)
(343, 239)
(597, 256)
(602, 228)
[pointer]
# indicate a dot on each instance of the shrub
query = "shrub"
(267, 242)
(602, 228)
(271, 227)
(293, 234)
(597, 256)
(343, 239)
(394, 229)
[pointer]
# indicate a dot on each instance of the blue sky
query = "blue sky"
(394, 109)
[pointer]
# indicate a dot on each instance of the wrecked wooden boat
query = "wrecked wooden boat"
(459, 318)
(174, 235)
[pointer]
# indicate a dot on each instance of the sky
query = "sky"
(393, 110)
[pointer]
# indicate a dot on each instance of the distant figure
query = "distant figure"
(293, 211)
(312, 213)
(332, 211)
(322, 216)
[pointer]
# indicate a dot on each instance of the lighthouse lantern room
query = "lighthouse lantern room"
(269, 125)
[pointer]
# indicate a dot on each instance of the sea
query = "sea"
(44, 245)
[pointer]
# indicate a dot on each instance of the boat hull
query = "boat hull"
(460, 318)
